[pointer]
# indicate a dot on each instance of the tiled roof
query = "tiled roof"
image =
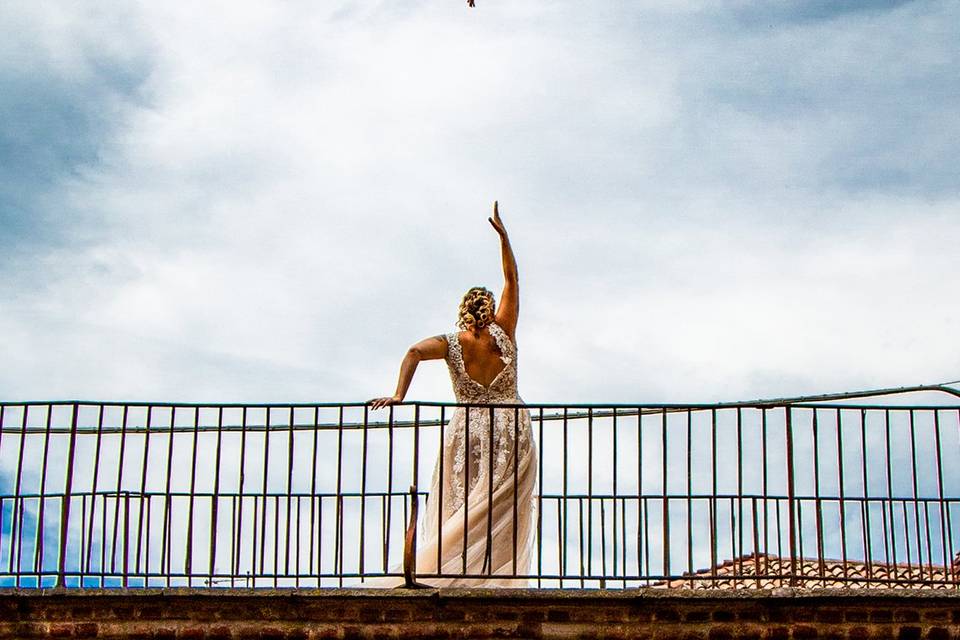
(764, 571)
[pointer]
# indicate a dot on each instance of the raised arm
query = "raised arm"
(509, 309)
(430, 349)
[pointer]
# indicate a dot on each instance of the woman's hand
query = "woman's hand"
(380, 403)
(497, 222)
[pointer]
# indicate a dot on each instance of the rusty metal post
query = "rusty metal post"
(410, 546)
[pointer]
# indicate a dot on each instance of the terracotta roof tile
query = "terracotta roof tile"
(764, 571)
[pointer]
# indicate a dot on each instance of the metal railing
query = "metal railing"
(794, 492)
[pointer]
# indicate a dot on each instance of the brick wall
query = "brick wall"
(307, 614)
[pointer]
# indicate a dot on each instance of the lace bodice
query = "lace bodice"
(503, 388)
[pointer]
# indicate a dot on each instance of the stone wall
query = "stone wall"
(447, 613)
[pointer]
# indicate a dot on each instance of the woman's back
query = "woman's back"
(482, 357)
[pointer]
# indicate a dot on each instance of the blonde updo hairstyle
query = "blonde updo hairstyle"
(476, 309)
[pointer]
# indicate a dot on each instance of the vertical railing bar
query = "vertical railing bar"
(407, 507)
(926, 520)
(147, 547)
(603, 544)
(166, 547)
(338, 543)
(561, 539)
(16, 526)
(416, 464)
(488, 551)
(666, 500)
(580, 538)
(763, 489)
(298, 502)
(916, 492)
(116, 511)
(188, 568)
(88, 549)
(777, 504)
(65, 503)
(615, 500)
(82, 568)
(516, 483)
(640, 548)
(927, 536)
(291, 449)
(821, 564)
(235, 524)
(948, 564)
(38, 546)
(126, 536)
(865, 515)
(890, 555)
(319, 535)
(589, 498)
(384, 501)
(540, 504)
(414, 493)
(800, 555)
(387, 516)
(264, 494)
(316, 531)
(623, 540)
(113, 543)
(689, 492)
(713, 493)
(733, 537)
(215, 499)
(906, 536)
(363, 484)
(791, 495)
(385, 507)
(756, 541)
(466, 484)
(238, 549)
(646, 536)
(563, 557)
(416, 446)
(276, 495)
(739, 553)
(440, 484)
(951, 555)
(865, 532)
(144, 500)
(843, 504)
(253, 574)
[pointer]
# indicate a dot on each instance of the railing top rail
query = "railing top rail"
(943, 387)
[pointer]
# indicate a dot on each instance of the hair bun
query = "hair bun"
(476, 309)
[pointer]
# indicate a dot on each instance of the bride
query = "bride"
(480, 510)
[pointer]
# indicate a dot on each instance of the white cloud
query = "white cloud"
(698, 211)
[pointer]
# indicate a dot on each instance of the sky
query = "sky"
(260, 201)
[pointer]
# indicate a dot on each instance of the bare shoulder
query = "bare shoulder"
(432, 348)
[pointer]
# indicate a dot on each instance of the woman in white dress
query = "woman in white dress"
(481, 507)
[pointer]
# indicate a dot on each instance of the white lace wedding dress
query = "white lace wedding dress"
(463, 476)
(469, 528)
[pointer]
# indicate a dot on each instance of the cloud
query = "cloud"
(270, 203)
(256, 202)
